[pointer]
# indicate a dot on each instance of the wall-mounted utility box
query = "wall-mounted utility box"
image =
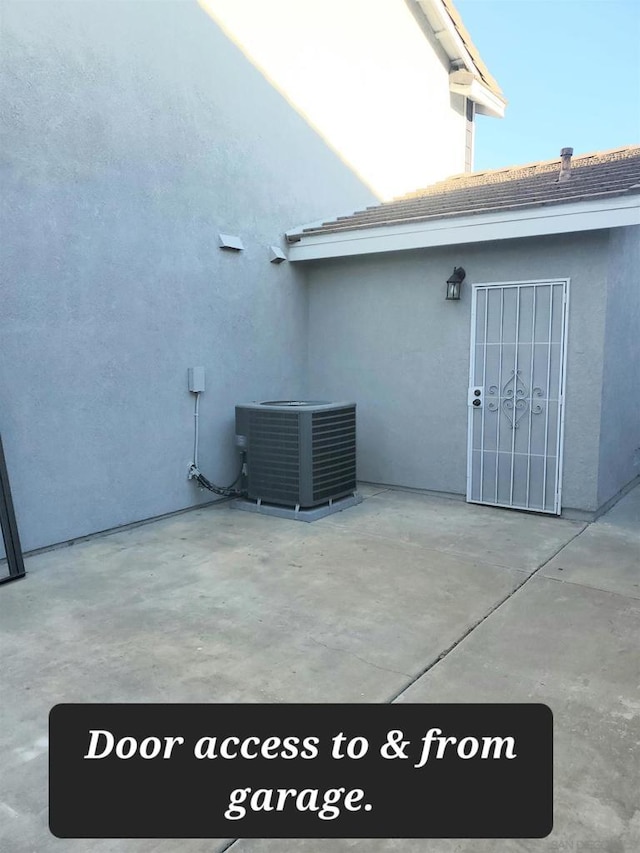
(196, 379)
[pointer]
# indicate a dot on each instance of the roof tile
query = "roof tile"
(597, 175)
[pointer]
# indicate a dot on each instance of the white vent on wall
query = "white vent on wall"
(276, 255)
(230, 241)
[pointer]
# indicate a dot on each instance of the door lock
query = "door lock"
(475, 396)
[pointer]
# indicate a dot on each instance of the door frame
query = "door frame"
(475, 287)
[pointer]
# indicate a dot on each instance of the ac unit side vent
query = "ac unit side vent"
(334, 453)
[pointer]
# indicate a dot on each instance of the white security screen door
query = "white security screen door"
(516, 394)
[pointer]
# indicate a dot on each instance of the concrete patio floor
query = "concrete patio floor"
(403, 598)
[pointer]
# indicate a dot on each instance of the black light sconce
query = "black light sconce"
(454, 283)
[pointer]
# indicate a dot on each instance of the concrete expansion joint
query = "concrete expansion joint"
(500, 603)
(414, 678)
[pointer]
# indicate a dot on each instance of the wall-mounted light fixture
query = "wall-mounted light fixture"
(454, 283)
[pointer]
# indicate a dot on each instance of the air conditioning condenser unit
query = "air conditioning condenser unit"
(299, 453)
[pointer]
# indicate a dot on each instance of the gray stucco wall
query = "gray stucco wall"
(620, 419)
(381, 333)
(134, 132)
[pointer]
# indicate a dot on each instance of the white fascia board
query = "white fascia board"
(486, 102)
(446, 33)
(479, 228)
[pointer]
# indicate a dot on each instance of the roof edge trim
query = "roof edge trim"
(487, 103)
(455, 40)
(611, 212)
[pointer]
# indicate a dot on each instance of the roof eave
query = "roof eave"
(444, 29)
(486, 101)
(610, 212)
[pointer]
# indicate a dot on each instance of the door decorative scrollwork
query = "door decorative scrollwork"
(515, 399)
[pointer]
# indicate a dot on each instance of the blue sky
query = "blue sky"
(570, 70)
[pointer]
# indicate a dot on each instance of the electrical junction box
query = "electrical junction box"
(196, 379)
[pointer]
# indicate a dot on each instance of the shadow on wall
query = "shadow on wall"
(370, 78)
(258, 32)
